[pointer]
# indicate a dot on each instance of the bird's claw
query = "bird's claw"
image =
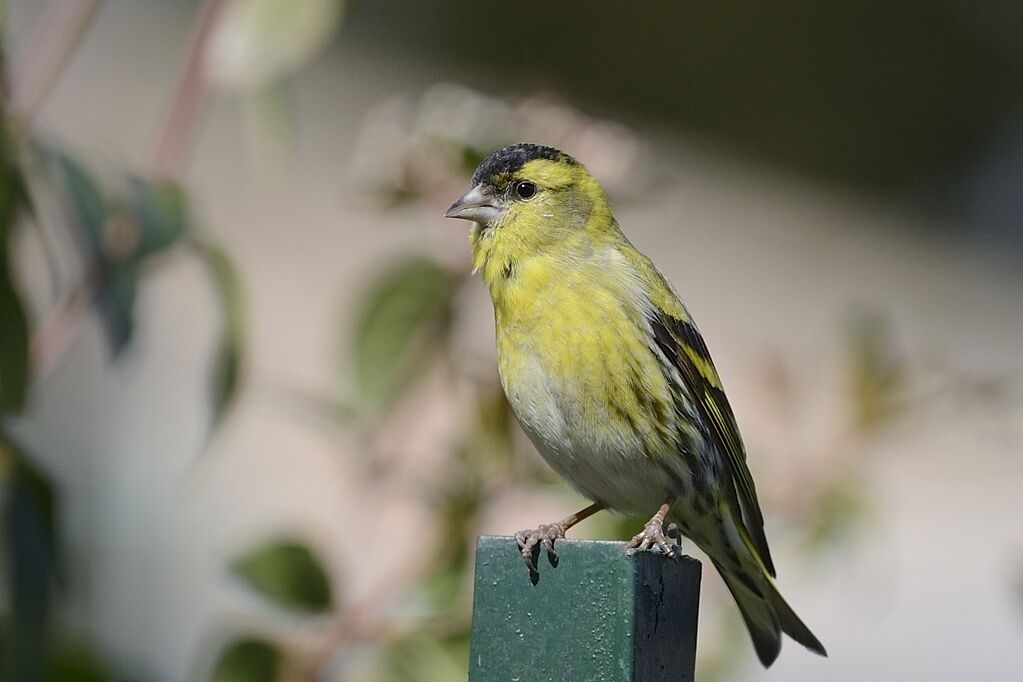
(530, 541)
(656, 534)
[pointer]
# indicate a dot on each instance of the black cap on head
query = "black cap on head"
(514, 157)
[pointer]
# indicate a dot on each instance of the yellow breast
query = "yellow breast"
(574, 354)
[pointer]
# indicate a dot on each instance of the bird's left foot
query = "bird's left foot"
(656, 534)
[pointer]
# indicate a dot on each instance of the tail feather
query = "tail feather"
(761, 620)
(791, 624)
(767, 615)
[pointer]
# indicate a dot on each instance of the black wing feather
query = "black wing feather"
(674, 337)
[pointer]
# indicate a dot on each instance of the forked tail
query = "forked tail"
(766, 613)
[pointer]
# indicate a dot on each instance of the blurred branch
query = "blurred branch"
(52, 42)
(318, 408)
(365, 620)
(174, 135)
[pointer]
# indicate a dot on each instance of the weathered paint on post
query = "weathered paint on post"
(601, 614)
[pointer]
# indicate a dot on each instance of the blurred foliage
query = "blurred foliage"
(13, 323)
(406, 314)
(122, 235)
(227, 364)
(118, 234)
(30, 546)
(286, 572)
(254, 48)
(247, 660)
(426, 658)
(75, 661)
(67, 660)
(256, 43)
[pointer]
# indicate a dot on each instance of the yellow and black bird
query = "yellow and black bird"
(608, 375)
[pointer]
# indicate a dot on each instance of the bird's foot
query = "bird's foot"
(656, 534)
(530, 542)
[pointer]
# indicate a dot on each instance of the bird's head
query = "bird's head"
(526, 200)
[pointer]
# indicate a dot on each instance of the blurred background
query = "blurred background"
(251, 424)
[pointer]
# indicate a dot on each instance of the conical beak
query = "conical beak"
(477, 204)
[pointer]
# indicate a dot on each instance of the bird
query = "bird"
(609, 377)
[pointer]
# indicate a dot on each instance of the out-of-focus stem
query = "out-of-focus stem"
(49, 47)
(51, 44)
(173, 139)
(52, 338)
(360, 621)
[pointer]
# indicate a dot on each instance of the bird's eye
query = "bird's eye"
(525, 189)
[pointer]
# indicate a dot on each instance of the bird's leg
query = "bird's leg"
(653, 534)
(530, 540)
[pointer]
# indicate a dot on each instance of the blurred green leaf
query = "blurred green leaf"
(161, 211)
(228, 360)
(258, 42)
(112, 235)
(286, 572)
(73, 661)
(13, 345)
(83, 200)
(30, 543)
(427, 659)
(115, 303)
(247, 660)
(406, 309)
(224, 378)
(13, 324)
(70, 660)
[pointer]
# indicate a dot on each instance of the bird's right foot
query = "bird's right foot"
(530, 541)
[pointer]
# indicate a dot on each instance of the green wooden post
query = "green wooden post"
(600, 614)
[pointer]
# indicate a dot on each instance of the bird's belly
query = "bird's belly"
(600, 458)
